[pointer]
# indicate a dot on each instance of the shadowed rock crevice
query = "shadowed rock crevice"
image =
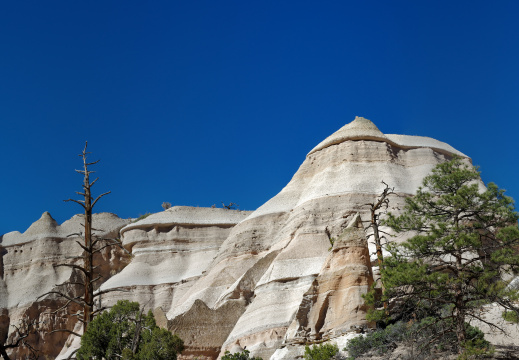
(334, 301)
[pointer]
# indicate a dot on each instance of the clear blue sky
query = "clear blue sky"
(198, 102)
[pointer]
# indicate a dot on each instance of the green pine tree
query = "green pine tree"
(465, 239)
(244, 355)
(126, 333)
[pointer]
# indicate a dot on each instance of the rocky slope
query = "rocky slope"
(263, 280)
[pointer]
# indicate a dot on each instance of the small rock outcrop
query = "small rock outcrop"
(334, 305)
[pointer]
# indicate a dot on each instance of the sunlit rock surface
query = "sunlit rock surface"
(271, 260)
(170, 250)
(334, 303)
(28, 270)
(267, 280)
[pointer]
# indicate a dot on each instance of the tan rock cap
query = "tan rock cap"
(358, 129)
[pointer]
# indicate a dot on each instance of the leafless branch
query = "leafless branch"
(72, 354)
(74, 267)
(80, 202)
(99, 293)
(65, 330)
(99, 197)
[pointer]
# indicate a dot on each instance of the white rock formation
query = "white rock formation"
(271, 258)
(27, 271)
(29, 259)
(262, 280)
(170, 250)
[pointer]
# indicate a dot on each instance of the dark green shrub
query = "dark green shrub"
(244, 355)
(423, 334)
(321, 352)
(124, 332)
(476, 345)
(380, 341)
(511, 316)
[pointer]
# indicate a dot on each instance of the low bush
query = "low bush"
(511, 316)
(244, 355)
(423, 336)
(321, 352)
(166, 205)
(379, 341)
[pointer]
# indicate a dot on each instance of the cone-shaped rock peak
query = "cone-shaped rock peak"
(45, 224)
(364, 129)
(358, 129)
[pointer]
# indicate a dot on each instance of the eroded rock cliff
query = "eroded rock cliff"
(28, 270)
(262, 280)
(287, 237)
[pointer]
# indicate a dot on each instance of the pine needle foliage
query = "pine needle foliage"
(414, 337)
(465, 238)
(126, 333)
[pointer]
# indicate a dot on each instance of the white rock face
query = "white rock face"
(27, 271)
(271, 258)
(28, 262)
(170, 250)
(263, 280)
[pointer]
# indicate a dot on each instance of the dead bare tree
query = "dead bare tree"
(376, 209)
(231, 206)
(19, 338)
(92, 245)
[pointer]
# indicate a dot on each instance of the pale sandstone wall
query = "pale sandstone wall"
(171, 250)
(287, 236)
(226, 280)
(334, 303)
(27, 269)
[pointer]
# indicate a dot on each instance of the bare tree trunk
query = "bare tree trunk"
(376, 237)
(4, 353)
(460, 301)
(375, 208)
(88, 254)
(92, 244)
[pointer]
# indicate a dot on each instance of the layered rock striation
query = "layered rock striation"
(333, 305)
(28, 270)
(171, 250)
(270, 261)
(262, 280)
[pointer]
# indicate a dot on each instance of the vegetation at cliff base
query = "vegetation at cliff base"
(414, 336)
(124, 332)
(244, 355)
(321, 351)
(142, 217)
